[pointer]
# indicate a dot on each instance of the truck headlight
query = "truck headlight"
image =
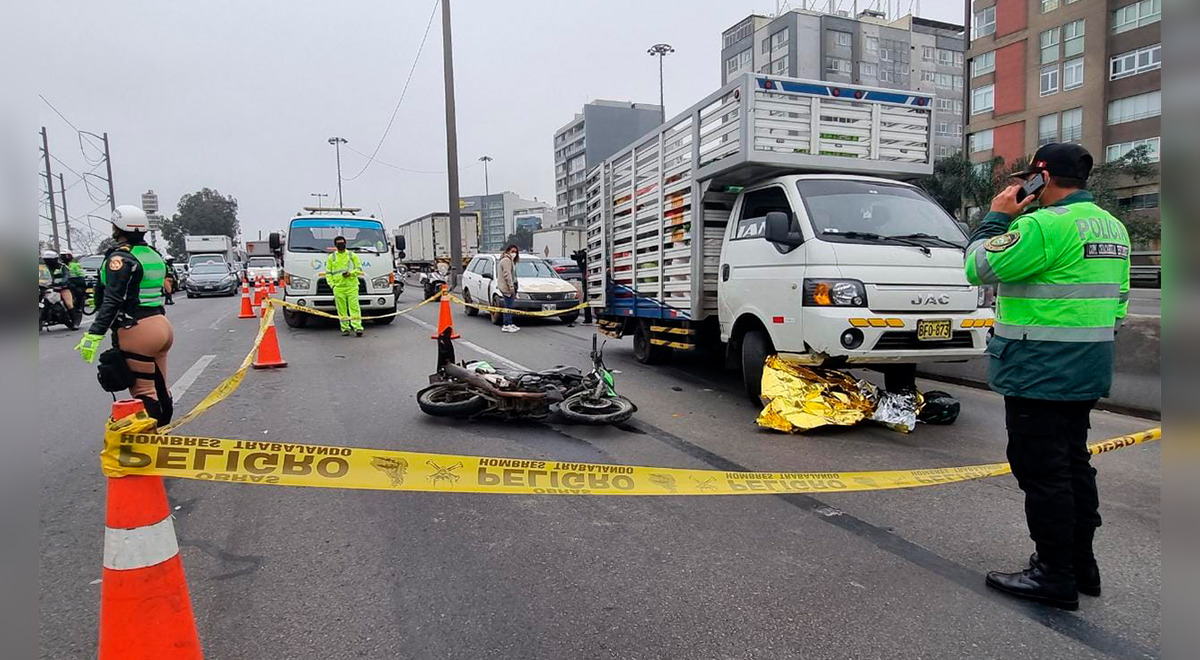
(523, 296)
(302, 283)
(834, 293)
(383, 282)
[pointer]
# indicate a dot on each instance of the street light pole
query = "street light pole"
(456, 264)
(337, 143)
(485, 160)
(660, 51)
(320, 204)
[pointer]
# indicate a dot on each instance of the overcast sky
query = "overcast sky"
(242, 96)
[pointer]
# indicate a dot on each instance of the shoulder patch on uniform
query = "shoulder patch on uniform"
(115, 262)
(1002, 242)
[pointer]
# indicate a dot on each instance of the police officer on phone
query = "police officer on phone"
(1062, 279)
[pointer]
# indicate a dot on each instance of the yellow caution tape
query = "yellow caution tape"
(316, 312)
(133, 447)
(516, 312)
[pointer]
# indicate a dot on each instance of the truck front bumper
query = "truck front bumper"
(859, 336)
(381, 302)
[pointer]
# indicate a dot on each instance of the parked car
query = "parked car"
(264, 267)
(566, 268)
(1145, 269)
(539, 287)
(91, 267)
(211, 279)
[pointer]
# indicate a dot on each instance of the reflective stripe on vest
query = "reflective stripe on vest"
(983, 269)
(1060, 291)
(1049, 333)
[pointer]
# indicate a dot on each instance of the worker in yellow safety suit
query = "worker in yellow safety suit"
(342, 270)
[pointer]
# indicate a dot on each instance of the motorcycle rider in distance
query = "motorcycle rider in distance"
(76, 281)
(59, 279)
(131, 304)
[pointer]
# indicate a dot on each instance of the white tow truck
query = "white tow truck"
(774, 217)
(310, 240)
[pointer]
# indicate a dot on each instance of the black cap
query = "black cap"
(1061, 160)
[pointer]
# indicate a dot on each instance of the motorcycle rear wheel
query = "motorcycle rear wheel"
(444, 400)
(583, 408)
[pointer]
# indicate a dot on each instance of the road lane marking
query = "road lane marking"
(475, 347)
(189, 377)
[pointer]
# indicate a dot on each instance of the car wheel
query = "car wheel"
(568, 319)
(471, 311)
(496, 316)
(756, 346)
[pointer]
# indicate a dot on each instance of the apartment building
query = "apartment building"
(909, 53)
(497, 216)
(1086, 71)
(598, 131)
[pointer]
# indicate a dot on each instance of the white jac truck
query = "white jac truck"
(308, 243)
(773, 217)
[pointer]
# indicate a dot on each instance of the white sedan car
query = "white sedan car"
(264, 267)
(539, 288)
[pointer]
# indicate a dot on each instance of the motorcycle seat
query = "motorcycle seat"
(561, 370)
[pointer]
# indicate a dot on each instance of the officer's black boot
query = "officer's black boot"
(1087, 573)
(1041, 582)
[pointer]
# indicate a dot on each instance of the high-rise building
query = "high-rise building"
(497, 216)
(602, 129)
(909, 53)
(1067, 71)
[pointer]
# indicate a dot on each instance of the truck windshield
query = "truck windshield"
(317, 235)
(867, 211)
(206, 259)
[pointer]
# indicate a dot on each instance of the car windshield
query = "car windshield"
(261, 262)
(210, 269)
(533, 268)
(316, 235)
(858, 208)
(91, 262)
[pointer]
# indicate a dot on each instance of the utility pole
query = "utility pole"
(337, 143)
(50, 188)
(320, 204)
(486, 160)
(456, 264)
(112, 196)
(62, 190)
(660, 51)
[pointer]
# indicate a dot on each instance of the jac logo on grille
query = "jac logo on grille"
(931, 299)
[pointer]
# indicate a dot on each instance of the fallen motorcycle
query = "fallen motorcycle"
(476, 388)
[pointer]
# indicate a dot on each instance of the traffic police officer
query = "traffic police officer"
(1062, 276)
(342, 269)
(131, 303)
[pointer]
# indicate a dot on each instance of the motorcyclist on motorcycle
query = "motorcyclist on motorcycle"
(76, 281)
(59, 278)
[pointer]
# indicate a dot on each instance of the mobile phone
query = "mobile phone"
(1033, 186)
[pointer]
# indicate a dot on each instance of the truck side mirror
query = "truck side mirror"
(401, 244)
(778, 229)
(275, 241)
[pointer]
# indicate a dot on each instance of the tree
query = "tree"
(106, 245)
(1109, 178)
(956, 179)
(522, 238)
(203, 212)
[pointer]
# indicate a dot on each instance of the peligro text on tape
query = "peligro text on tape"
(132, 447)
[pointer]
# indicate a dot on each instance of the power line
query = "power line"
(403, 92)
(409, 170)
(56, 111)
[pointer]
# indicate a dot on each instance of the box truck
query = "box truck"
(774, 217)
(557, 241)
(427, 239)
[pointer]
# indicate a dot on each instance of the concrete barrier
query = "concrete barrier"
(1137, 385)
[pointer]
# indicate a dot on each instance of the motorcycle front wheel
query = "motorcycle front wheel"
(443, 400)
(584, 408)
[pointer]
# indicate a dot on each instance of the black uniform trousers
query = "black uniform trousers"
(1047, 448)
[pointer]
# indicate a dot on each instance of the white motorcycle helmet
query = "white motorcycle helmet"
(49, 254)
(130, 218)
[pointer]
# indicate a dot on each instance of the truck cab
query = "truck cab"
(841, 270)
(309, 242)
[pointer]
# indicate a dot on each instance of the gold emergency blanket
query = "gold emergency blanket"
(802, 398)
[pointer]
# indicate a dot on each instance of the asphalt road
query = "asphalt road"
(298, 573)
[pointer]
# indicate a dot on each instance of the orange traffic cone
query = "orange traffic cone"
(444, 318)
(268, 356)
(258, 295)
(247, 311)
(145, 611)
(271, 287)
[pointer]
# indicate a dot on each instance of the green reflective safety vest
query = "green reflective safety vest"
(154, 271)
(1062, 284)
(340, 262)
(75, 270)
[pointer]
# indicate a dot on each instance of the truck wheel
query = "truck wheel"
(756, 346)
(471, 311)
(294, 319)
(644, 351)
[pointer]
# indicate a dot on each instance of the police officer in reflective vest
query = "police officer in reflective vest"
(130, 301)
(1062, 282)
(342, 270)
